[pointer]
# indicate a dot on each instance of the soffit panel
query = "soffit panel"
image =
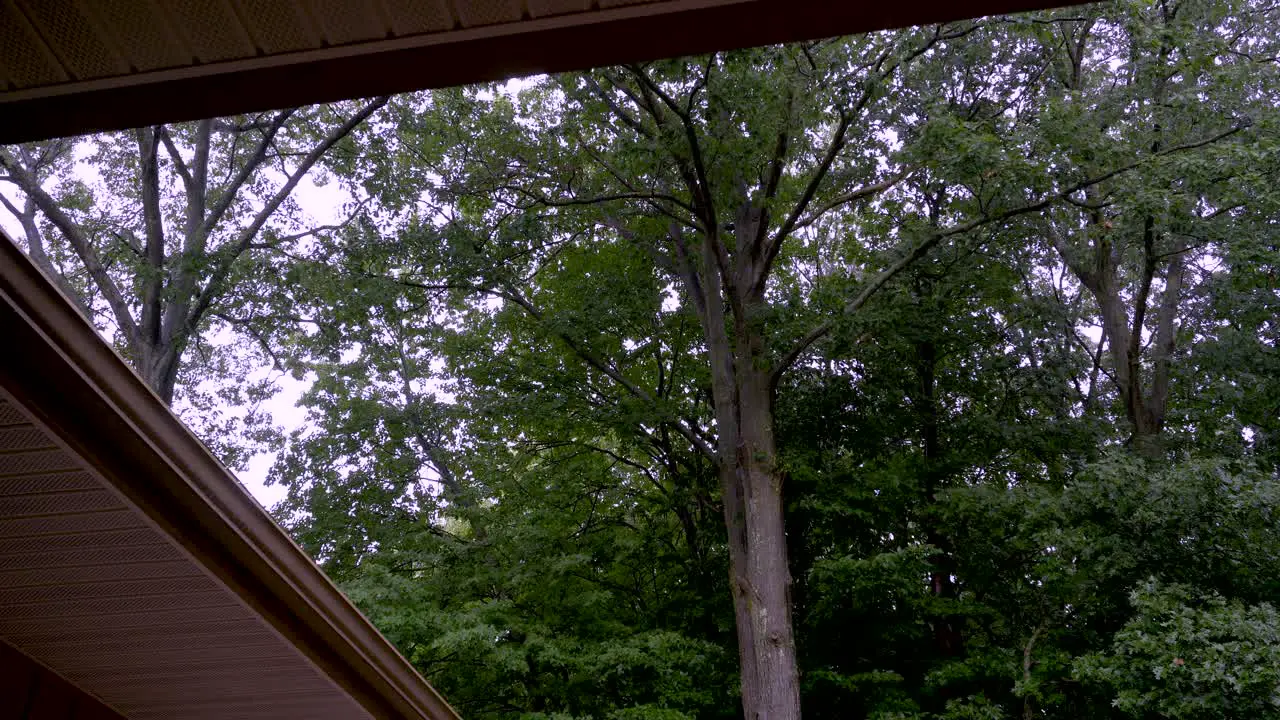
(210, 30)
(140, 31)
(23, 54)
(123, 612)
(277, 27)
(74, 66)
(418, 17)
(73, 38)
(342, 22)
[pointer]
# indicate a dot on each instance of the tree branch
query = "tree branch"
(1165, 339)
(838, 140)
(853, 196)
(176, 157)
(701, 188)
(190, 318)
(151, 278)
(37, 252)
(605, 368)
(228, 194)
(617, 110)
(79, 243)
(923, 247)
(198, 193)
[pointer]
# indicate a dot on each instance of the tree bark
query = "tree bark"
(768, 572)
(752, 487)
(750, 477)
(761, 577)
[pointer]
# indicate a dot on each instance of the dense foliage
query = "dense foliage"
(990, 307)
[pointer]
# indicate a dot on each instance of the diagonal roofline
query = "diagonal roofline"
(81, 390)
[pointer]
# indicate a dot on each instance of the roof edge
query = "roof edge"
(576, 41)
(93, 401)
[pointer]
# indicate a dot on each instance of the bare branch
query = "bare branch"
(700, 187)
(286, 239)
(1071, 258)
(617, 110)
(176, 157)
(228, 195)
(839, 138)
(246, 325)
(687, 272)
(852, 196)
(613, 197)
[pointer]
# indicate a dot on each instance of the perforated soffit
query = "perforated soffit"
(52, 42)
(91, 591)
(74, 66)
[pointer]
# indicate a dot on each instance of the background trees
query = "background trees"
(928, 374)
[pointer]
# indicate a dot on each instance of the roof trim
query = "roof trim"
(93, 401)
(575, 41)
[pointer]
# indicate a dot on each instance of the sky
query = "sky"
(323, 206)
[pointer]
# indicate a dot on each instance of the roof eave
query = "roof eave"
(79, 388)
(546, 45)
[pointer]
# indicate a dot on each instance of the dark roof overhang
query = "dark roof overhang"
(69, 67)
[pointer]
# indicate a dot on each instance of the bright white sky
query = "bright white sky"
(323, 204)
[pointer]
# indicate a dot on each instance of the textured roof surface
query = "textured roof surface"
(50, 42)
(90, 590)
(74, 66)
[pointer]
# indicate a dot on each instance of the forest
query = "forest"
(931, 374)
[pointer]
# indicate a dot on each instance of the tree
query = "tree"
(774, 375)
(159, 257)
(1192, 655)
(735, 188)
(707, 167)
(1176, 84)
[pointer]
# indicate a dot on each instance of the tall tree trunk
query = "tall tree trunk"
(768, 573)
(735, 520)
(161, 372)
(761, 578)
(751, 488)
